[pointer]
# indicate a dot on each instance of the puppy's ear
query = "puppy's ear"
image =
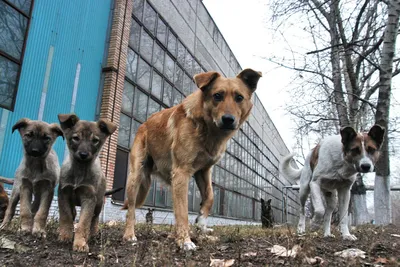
(269, 202)
(348, 134)
(67, 121)
(107, 126)
(262, 200)
(377, 133)
(55, 128)
(22, 123)
(205, 80)
(250, 78)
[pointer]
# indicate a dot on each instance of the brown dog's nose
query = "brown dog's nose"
(365, 167)
(228, 119)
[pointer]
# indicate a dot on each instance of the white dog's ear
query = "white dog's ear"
(348, 134)
(377, 133)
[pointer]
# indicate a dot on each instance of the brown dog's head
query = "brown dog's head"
(362, 149)
(38, 137)
(85, 138)
(227, 101)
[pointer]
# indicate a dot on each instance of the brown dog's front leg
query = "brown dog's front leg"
(88, 203)
(180, 185)
(25, 206)
(46, 192)
(204, 183)
(66, 229)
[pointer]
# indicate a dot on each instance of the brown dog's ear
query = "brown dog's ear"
(55, 128)
(67, 120)
(22, 123)
(377, 133)
(269, 202)
(204, 80)
(348, 134)
(250, 78)
(107, 126)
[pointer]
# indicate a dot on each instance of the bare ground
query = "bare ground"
(247, 245)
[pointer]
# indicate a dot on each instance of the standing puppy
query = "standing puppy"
(82, 181)
(185, 140)
(37, 173)
(329, 172)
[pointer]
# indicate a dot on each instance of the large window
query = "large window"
(14, 23)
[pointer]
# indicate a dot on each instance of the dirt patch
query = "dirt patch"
(248, 246)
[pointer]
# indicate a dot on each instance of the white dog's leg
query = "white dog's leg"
(344, 200)
(304, 192)
(331, 202)
(318, 203)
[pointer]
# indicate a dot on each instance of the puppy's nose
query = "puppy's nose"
(83, 155)
(228, 119)
(365, 167)
(35, 152)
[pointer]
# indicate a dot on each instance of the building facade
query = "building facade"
(125, 60)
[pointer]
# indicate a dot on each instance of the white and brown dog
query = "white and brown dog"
(329, 172)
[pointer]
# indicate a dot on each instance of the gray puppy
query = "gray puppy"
(82, 181)
(37, 173)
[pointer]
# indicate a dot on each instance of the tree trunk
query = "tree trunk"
(382, 179)
(359, 209)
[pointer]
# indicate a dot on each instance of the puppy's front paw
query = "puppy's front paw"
(39, 232)
(26, 229)
(329, 236)
(80, 245)
(349, 237)
(65, 236)
(201, 223)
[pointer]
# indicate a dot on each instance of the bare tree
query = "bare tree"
(382, 178)
(335, 82)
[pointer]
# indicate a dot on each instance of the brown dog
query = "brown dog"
(82, 181)
(188, 140)
(37, 173)
(4, 197)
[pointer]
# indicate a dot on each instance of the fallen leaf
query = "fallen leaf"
(395, 235)
(315, 260)
(351, 253)
(250, 254)
(283, 252)
(111, 223)
(101, 257)
(221, 263)
(9, 244)
(381, 260)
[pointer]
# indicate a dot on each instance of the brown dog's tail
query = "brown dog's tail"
(141, 195)
(112, 191)
(6, 180)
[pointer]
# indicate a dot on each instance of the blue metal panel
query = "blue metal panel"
(76, 31)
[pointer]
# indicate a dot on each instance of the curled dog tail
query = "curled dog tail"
(141, 195)
(113, 191)
(287, 170)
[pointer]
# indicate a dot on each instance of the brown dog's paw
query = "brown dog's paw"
(80, 245)
(25, 229)
(65, 237)
(39, 232)
(130, 238)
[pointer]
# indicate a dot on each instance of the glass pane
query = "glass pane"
(150, 196)
(140, 106)
(172, 43)
(178, 78)
(176, 97)
(153, 107)
(187, 85)
(189, 63)
(144, 74)
(158, 57)
(161, 31)
(156, 87)
(138, 8)
(134, 36)
(197, 68)
(167, 96)
(131, 65)
(146, 46)
(181, 53)
(149, 19)
(160, 194)
(169, 68)
(12, 30)
(8, 81)
(190, 194)
(23, 5)
(124, 129)
(127, 98)
(134, 127)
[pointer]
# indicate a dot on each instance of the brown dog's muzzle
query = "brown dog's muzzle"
(227, 122)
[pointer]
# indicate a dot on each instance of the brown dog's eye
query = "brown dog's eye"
(95, 141)
(218, 97)
(239, 98)
(355, 150)
(371, 150)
